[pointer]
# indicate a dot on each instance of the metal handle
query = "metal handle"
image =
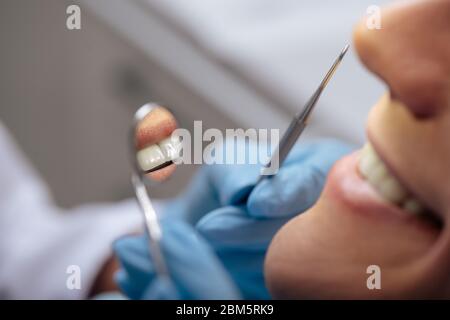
(151, 223)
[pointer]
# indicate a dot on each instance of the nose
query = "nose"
(411, 53)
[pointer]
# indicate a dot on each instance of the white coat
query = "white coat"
(39, 242)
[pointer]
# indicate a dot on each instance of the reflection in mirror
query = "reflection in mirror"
(156, 148)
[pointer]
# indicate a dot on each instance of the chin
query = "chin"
(329, 251)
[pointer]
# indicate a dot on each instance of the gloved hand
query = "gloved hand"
(295, 187)
(215, 185)
(240, 234)
(195, 271)
(241, 242)
(299, 182)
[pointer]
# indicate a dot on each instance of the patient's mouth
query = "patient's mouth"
(156, 155)
(389, 188)
(156, 145)
(373, 169)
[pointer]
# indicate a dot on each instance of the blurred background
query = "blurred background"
(68, 96)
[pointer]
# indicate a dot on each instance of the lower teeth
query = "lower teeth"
(376, 173)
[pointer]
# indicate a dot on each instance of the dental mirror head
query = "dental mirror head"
(155, 148)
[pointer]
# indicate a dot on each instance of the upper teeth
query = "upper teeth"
(375, 171)
(159, 153)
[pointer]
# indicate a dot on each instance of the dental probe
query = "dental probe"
(300, 121)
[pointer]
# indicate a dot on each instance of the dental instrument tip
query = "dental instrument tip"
(344, 51)
(332, 70)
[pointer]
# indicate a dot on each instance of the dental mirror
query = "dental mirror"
(154, 150)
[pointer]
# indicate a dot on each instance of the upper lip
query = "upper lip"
(155, 132)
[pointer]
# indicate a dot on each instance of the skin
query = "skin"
(325, 252)
(104, 281)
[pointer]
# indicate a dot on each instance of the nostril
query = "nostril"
(423, 94)
(411, 54)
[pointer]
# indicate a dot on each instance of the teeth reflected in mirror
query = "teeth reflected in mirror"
(155, 145)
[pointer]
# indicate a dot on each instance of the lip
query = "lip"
(156, 126)
(351, 191)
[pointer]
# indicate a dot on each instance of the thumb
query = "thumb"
(299, 183)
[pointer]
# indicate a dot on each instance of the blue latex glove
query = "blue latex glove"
(241, 234)
(241, 243)
(295, 187)
(195, 271)
(299, 182)
(215, 186)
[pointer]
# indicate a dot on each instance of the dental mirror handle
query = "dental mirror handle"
(152, 225)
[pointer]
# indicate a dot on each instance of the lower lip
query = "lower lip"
(162, 174)
(350, 190)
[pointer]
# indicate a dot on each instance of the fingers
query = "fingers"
(136, 267)
(193, 267)
(283, 197)
(241, 241)
(233, 227)
(239, 171)
(298, 183)
(199, 198)
(231, 181)
(216, 185)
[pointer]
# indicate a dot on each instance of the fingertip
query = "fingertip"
(283, 195)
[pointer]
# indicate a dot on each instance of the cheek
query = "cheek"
(325, 253)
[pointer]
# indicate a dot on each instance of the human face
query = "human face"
(388, 204)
